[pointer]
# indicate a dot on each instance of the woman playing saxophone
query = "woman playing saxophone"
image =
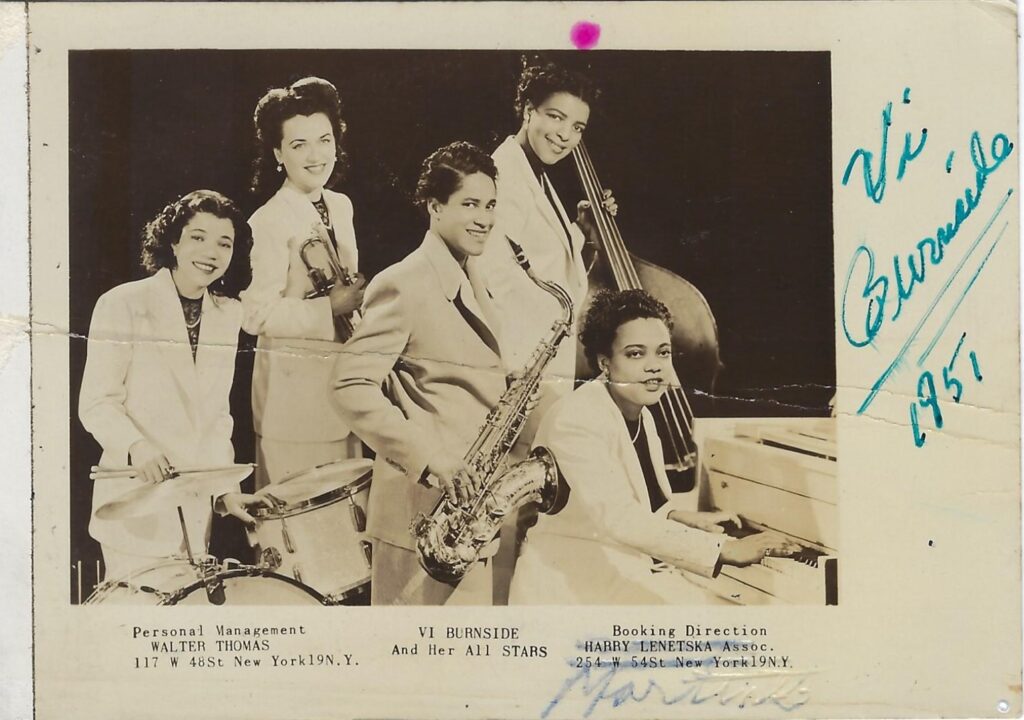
(422, 372)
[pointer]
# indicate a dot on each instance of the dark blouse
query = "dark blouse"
(643, 451)
(325, 217)
(193, 310)
(538, 168)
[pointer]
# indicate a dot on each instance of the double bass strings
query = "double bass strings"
(674, 406)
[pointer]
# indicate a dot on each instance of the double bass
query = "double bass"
(694, 333)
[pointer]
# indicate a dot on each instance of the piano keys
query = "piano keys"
(777, 475)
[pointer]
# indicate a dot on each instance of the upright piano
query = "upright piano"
(777, 475)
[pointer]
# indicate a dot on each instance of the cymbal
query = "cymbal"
(153, 497)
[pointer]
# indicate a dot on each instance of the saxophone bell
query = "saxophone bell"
(453, 536)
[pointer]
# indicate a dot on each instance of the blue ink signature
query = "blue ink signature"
(928, 397)
(876, 293)
(898, 360)
(929, 250)
(874, 186)
(784, 689)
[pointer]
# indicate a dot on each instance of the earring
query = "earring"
(280, 167)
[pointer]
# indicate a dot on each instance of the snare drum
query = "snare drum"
(179, 582)
(317, 533)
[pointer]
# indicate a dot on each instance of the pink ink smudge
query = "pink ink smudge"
(584, 35)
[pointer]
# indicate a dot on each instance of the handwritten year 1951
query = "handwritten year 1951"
(874, 298)
(928, 396)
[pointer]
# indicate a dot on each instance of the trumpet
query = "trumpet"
(325, 272)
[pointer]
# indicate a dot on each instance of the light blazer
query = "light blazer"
(140, 382)
(296, 348)
(598, 549)
(524, 214)
(421, 372)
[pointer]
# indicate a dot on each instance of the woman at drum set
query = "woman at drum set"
(158, 373)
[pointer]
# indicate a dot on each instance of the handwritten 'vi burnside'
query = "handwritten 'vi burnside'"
(874, 299)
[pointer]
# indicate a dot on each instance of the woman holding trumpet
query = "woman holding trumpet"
(158, 374)
(304, 293)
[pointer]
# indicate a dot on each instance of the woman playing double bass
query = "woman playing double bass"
(553, 105)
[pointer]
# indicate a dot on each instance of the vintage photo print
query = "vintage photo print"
(760, 348)
(525, 360)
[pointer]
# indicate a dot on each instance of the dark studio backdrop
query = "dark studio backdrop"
(720, 162)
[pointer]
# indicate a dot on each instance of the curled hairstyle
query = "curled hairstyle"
(164, 231)
(612, 309)
(307, 96)
(539, 82)
(444, 169)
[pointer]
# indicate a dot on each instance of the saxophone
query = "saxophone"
(451, 538)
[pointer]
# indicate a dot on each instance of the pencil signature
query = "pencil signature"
(620, 684)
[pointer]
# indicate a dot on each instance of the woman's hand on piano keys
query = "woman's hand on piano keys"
(707, 521)
(754, 548)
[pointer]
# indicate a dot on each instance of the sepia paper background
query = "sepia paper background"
(929, 618)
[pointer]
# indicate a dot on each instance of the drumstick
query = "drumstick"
(109, 473)
(103, 473)
(133, 468)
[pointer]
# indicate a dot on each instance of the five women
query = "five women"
(425, 358)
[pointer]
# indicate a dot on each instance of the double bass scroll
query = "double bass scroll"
(694, 334)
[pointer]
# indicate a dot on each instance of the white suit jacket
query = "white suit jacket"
(141, 382)
(599, 548)
(420, 373)
(296, 348)
(524, 214)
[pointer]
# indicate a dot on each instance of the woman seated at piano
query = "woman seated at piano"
(299, 233)
(158, 374)
(620, 514)
(421, 373)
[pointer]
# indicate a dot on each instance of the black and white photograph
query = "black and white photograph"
(519, 360)
(429, 327)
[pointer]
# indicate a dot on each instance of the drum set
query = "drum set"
(310, 549)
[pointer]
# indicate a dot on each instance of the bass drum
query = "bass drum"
(179, 582)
